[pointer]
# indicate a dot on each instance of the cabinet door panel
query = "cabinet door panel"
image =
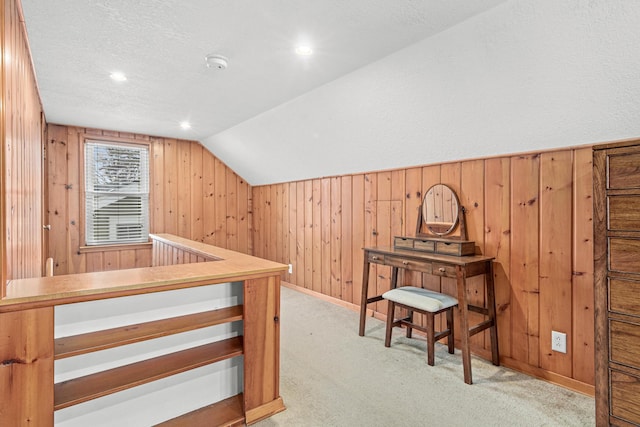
(625, 343)
(624, 171)
(625, 395)
(624, 213)
(624, 255)
(624, 296)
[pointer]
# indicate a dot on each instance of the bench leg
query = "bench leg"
(451, 337)
(409, 328)
(430, 339)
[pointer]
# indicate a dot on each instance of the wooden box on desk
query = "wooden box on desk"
(435, 245)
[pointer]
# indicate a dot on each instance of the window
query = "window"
(116, 193)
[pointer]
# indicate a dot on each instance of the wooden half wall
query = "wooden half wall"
(21, 164)
(193, 195)
(532, 212)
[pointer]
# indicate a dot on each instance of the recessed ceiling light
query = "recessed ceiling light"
(304, 50)
(185, 125)
(118, 76)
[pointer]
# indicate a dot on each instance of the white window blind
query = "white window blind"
(116, 193)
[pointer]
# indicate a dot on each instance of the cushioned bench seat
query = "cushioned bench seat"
(426, 302)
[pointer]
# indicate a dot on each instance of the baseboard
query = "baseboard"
(566, 382)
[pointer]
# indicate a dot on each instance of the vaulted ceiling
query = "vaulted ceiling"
(161, 47)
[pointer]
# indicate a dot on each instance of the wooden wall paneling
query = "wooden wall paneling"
(111, 260)
(95, 261)
(142, 258)
(21, 146)
(325, 203)
(472, 198)
(127, 259)
(384, 235)
(583, 368)
(270, 224)
(209, 199)
(171, 187)
(258, 221)
(398, 212)
(525, 174)
(4, 203)
(232, 211)
(497, 242)
(450, 175)
(220, 206)
(300, 229)
(412, 204)
(196, 186)
(431, 175)
(285, 228)
(184, 182)
(156, 186)
(398, 188)
(316, 236)
(308, 234)
(293, 225)
(384, 238)
(346, 261)
(357, 234)
(278, 220)
(336, 237)
(57, 159)
(75, 207)
(370, 224)
(556, 178)
(244, 217)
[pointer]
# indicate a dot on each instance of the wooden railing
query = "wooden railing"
(28, 351)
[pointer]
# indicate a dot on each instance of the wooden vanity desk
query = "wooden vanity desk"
(456, 267)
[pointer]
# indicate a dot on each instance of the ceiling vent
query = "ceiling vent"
(217, 62)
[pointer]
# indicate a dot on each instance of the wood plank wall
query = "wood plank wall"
(21, 159)
(193, 195)
(532, 212)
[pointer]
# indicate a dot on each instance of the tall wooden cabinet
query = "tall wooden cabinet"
(616, 170)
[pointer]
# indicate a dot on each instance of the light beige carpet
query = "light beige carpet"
(329, 376)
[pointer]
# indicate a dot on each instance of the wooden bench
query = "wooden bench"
(425, 302)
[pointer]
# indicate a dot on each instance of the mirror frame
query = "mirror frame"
(458, 222)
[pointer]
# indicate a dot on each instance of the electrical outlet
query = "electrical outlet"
(290, 268)
(558, 342)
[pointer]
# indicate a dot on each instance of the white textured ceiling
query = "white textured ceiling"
(161, 46)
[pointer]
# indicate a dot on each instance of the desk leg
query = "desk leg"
(394, 277)
(491, 302)
(365, 294)
(464, 323)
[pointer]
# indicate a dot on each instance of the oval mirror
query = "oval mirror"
(440, 209)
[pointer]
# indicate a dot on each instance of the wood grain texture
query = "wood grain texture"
(497, 241)
(82, 389)
(228, 413)
(555, 257)
(583, 317)
(616, 179)
(22, 149)
(524, 259)
(26, 367)
(192, 194)
(506, 219)
(261, 342)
